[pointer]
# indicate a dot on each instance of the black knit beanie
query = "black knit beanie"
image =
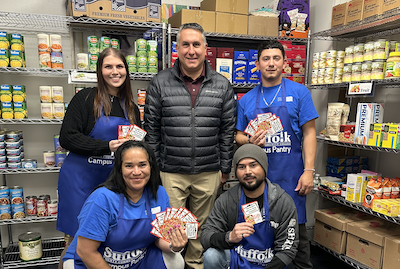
(251, 151)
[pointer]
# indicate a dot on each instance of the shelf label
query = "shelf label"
(360, 88)
(80, 77)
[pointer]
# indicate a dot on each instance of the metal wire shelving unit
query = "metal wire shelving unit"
(52, 249)
(39, 170)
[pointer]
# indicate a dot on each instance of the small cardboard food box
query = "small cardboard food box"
(372, 8)
(227, 6)
(391, 252)
(330, 226)
(339, 15)
(366, 240)
(355, 10)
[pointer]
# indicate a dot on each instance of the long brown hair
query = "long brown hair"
(124, 91)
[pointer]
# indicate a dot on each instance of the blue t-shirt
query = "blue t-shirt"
(100, 213)
(298, 102)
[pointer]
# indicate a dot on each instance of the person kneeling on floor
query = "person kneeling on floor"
(254, 224)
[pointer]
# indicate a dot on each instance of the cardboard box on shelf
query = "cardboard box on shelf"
(372, 8)
(263, 26)
(228, 6)
(205, 18)
(129, 10)
(390, 6)
(77, 8)
(355, 10)
(391, 252)
(225, 53)
(366, 239)
(330, 226)
(339, 15)
(230, 23)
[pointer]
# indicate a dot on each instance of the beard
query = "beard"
(252, 186)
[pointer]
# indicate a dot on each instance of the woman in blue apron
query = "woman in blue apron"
(90, 132)
(115, 221)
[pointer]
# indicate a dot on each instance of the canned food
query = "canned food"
(338, 75)
(369, 46)
(93, 58)
(5, 211)
(49, 158)
(18, 93)
(349, 50)
(41, 206)
(4, 195)
(356, 76)
(356, 67)
(29, 163)
(20, 111)
(365, 75)
(152, 48)
(314, 76)
(12, 135)
(14, 165)
(340, 59)
(114, 43)
(377, 69)
(30, 246)
(141, 63)
(18, 211)
(4, 42)
(380, 54)
(45, 94)
(366, 66)
(30, 202)
(358, 58)
(315, 64)
(4, 58)
(93, 44)
(57, 146)
(359, 48)
(16, 195)
(55, 43)
(3, 166)
(152, 65)
(141, 47)
(2, 135)
(6, 93)
(11, 144)
(380, 44)
(60, 157)
(348, 59)
(56, 59)
(14, 159)
(328, 77)
(392, 46)
(321, 76)
(82, 61)
(3, 159)
(47, 110)
(369, 56)
(16, 58)
(105, 42)
(347, 69)
(13, 152)
(52, 207)
(2, 149)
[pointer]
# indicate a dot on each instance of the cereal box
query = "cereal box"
(367, 113)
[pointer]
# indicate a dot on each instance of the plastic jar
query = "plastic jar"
(393, 65)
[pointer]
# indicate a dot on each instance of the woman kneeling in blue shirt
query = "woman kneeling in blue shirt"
(115, 221)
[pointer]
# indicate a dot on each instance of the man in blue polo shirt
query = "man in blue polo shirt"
(291, 105)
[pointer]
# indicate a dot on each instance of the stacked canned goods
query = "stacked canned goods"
(13, 101)
(11, 202)
(52, 102)
(42, 205)
(327, 67)
(11, 149)
(60, 153)
(146, 56)
(50, 51)
(12, 50)
(95, 46)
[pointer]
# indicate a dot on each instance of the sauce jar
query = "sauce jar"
(393, 65)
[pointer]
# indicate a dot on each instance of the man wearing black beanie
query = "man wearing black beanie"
(254, 224)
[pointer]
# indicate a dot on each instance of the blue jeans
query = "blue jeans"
(216, 259)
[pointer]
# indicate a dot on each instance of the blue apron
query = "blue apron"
(129, 244)
(284, 168)
(255, 251)
(79, 174)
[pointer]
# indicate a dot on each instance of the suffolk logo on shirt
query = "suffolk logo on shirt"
(261, 257)
(279, 143)
(121, 260)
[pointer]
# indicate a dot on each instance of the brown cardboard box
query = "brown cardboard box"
(364, 252)
(339, 15)
(366, 239)
(330, 226)
(354, 11)
(205, 18)
(372, 8)
(76, 9)
(227, 6)
(103, 9)
(389, 5)
(263, 26)
(231, 23)
(391, 252)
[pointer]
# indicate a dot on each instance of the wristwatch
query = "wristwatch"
(227, 238)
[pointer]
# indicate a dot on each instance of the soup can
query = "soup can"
(14, 159)
(321, 76)
(315, 64)
(314, 76)
(4, 195)
(93, 44)
(52, 207)
(114, 43)
(18, 211)
(3, 159)
(57, 146)
(105, 42)
(14, 165)
(349, 50)
(49, 158)
(5, 211)
(30, 202)
(12, 136)
(41, 206)
(29, 163)
(16, 195)
(338, 75)
(30, 246)
(328, 78)
(60, 157)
